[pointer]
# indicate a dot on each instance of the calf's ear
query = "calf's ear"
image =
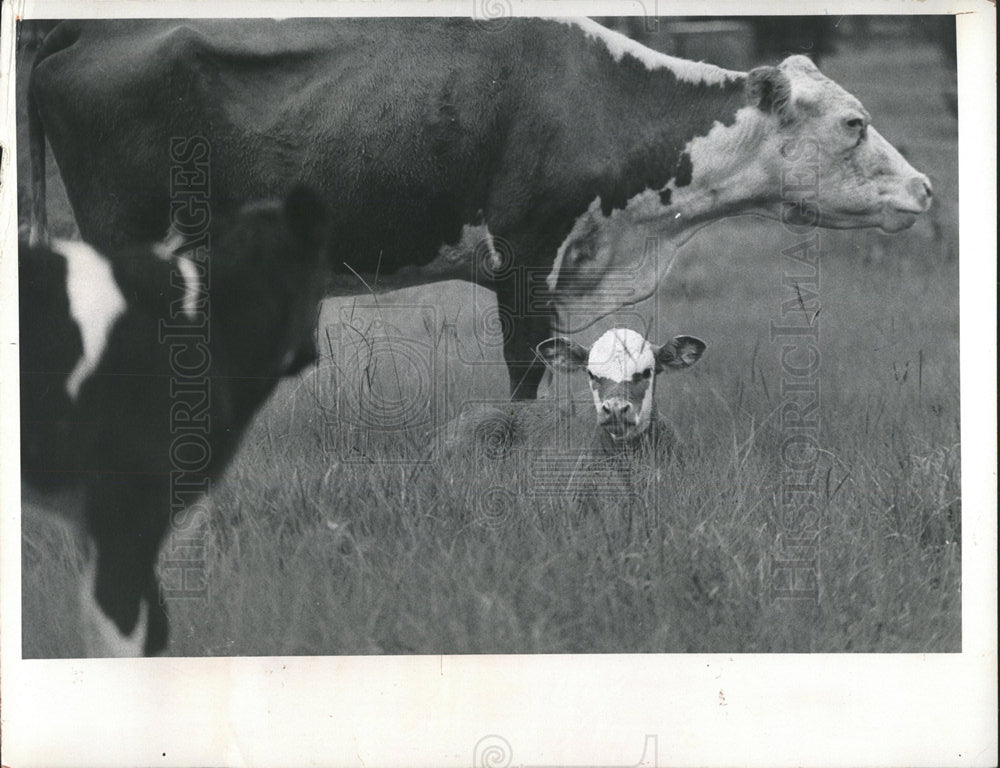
(769, 89)
(563, 354)
(679, 352)
(306, 216)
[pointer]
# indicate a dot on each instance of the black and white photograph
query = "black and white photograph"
(352, 347)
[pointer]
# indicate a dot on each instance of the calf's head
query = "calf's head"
(622, 366)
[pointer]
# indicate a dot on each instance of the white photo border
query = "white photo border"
(820, 709)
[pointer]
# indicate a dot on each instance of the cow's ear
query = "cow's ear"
(800, 63)
(563, 354)
(679, 352)
(769, 89)
(306, 215)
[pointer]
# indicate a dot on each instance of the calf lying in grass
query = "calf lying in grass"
(622, 367)
(139, 372)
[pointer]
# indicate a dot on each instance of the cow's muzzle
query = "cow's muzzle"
(618, 417)
(921, 192)
(902, 209)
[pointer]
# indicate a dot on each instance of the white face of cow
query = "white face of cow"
(802, 150)
(622, 367)
(822, 134)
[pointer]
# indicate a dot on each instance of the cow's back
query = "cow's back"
(398, 120)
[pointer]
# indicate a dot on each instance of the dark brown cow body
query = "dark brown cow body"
(511, 155)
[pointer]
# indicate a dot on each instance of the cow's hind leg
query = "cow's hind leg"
(121, 603)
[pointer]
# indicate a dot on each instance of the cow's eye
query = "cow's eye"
(592, 376)
(647, 373)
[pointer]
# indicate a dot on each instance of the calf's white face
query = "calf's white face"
(622, 367)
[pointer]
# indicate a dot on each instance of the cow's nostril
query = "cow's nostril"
(606, 408)
(920, 188)
(626, 407)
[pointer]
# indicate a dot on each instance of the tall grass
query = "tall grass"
(335, 534)
(342, 528)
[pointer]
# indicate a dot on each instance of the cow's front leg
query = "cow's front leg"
(527, 321)
(125, 524)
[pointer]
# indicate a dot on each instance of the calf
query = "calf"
(622, 366)
(140, 370)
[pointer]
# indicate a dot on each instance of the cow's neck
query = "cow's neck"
(230, 310)
(669, 143)
(634, 115)
(728, 177)
(716, 173)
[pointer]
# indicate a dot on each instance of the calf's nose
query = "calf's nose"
(616, 408)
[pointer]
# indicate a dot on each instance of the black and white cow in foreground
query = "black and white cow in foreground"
(138, 375)
(622, 366)
(513, 155)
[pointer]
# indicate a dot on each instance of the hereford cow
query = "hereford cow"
(139, 374)
(513, 155)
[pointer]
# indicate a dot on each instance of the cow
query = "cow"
(139, 371)
(601, 460)
(622, 366)
(512, 154)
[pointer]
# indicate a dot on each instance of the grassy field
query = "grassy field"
(341, 530)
